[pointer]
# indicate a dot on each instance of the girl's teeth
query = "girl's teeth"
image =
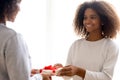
(88, 25)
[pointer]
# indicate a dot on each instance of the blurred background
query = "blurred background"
(47, 27)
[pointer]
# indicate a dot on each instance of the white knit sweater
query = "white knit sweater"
(97, 57)
(14, 56)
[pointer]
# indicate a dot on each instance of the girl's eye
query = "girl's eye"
(90, 17)
(93, 17)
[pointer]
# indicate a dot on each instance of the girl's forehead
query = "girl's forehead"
(90, 11)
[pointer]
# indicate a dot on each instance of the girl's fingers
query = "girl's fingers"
(58, 65)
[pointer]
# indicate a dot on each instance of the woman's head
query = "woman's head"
(8, 10)
(109, 21)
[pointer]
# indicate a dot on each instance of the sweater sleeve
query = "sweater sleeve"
(36, 77)
(17, 58)
(70, 55)
(108, 66)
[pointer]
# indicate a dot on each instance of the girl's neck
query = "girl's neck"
(94, 37)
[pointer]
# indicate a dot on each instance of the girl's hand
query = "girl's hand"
(68, 71)
(46, 77)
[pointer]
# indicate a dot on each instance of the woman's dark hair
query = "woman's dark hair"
(7, 8)
(108, 17)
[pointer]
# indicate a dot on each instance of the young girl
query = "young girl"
(94, 56)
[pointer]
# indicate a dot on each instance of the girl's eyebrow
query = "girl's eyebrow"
(93, 15)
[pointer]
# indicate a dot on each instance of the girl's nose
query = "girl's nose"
(87, 21)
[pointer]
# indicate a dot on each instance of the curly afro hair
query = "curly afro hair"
(7, 8)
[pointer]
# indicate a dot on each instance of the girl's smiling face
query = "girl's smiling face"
(91, 21)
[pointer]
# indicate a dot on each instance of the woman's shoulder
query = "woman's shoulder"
(111, 43)
(7, 32)
(78, 41)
